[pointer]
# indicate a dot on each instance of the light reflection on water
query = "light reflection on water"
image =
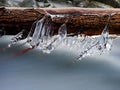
(37, 71)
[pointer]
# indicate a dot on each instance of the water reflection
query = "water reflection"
(37, 71)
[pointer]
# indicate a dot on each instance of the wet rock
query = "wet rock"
(2, 2)
(113, 3)
(95, 4)
(26, 3)
(19, 3)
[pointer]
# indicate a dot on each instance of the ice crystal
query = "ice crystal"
(40, 37)
(16, 38)
(85, 45)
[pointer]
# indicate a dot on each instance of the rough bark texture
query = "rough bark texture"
(88, 21)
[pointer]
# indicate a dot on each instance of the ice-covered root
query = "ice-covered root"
(97, 45)
(56, 40)
(40, 37)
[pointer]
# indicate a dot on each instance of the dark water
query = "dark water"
(37, 71)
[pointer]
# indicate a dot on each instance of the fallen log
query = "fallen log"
(89, 21)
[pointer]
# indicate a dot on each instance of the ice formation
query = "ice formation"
(40, 37)
(96, 45)
(85, 45)
(16, 38)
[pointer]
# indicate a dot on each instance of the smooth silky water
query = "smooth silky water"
(35, 70)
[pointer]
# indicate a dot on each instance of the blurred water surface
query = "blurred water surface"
(37, 71)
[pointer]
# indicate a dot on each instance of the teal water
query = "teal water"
(37, 71)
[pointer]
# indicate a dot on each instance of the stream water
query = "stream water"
(37, 71)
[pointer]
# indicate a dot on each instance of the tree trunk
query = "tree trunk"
(89, 21)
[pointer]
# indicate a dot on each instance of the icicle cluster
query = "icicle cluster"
(40, 37)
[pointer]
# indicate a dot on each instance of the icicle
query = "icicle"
(16, 38)
(30, 34)
(56, 40)
(45, 33)
(62, 32)
(34, 41)
(40, 35)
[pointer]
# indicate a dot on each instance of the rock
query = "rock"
(95, 4)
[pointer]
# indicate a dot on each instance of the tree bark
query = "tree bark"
(89, 21)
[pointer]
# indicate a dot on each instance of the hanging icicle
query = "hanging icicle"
(57, 39)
